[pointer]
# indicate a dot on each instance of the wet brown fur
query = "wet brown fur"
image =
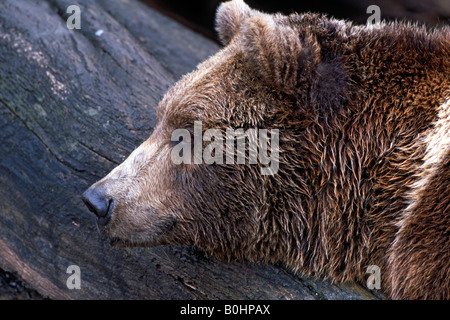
(353, 105)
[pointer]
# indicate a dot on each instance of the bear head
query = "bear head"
(224, 208)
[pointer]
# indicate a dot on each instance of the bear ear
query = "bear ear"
(277, 52)
(229, 18)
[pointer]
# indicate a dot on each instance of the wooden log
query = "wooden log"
(73, 104)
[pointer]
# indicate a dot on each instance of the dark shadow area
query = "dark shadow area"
(13, 288)
(199, 14)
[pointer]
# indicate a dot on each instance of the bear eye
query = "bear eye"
(184, 136)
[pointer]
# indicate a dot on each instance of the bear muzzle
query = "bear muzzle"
(100, 204)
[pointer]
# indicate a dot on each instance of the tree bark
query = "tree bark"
(73, 104)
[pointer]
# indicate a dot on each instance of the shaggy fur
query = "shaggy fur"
(364, 124)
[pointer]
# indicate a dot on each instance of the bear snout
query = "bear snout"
(99, 203)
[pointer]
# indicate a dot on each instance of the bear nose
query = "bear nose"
(97, 202)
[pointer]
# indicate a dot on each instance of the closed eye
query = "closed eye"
(180, 136)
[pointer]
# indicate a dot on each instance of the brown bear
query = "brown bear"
(363, 165)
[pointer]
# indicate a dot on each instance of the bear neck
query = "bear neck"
(347, 159)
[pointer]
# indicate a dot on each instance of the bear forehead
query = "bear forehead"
(195, 94)
(218, 90)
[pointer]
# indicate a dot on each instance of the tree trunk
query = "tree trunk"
(73, 104)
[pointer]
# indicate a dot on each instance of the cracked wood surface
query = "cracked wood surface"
(72, 106)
